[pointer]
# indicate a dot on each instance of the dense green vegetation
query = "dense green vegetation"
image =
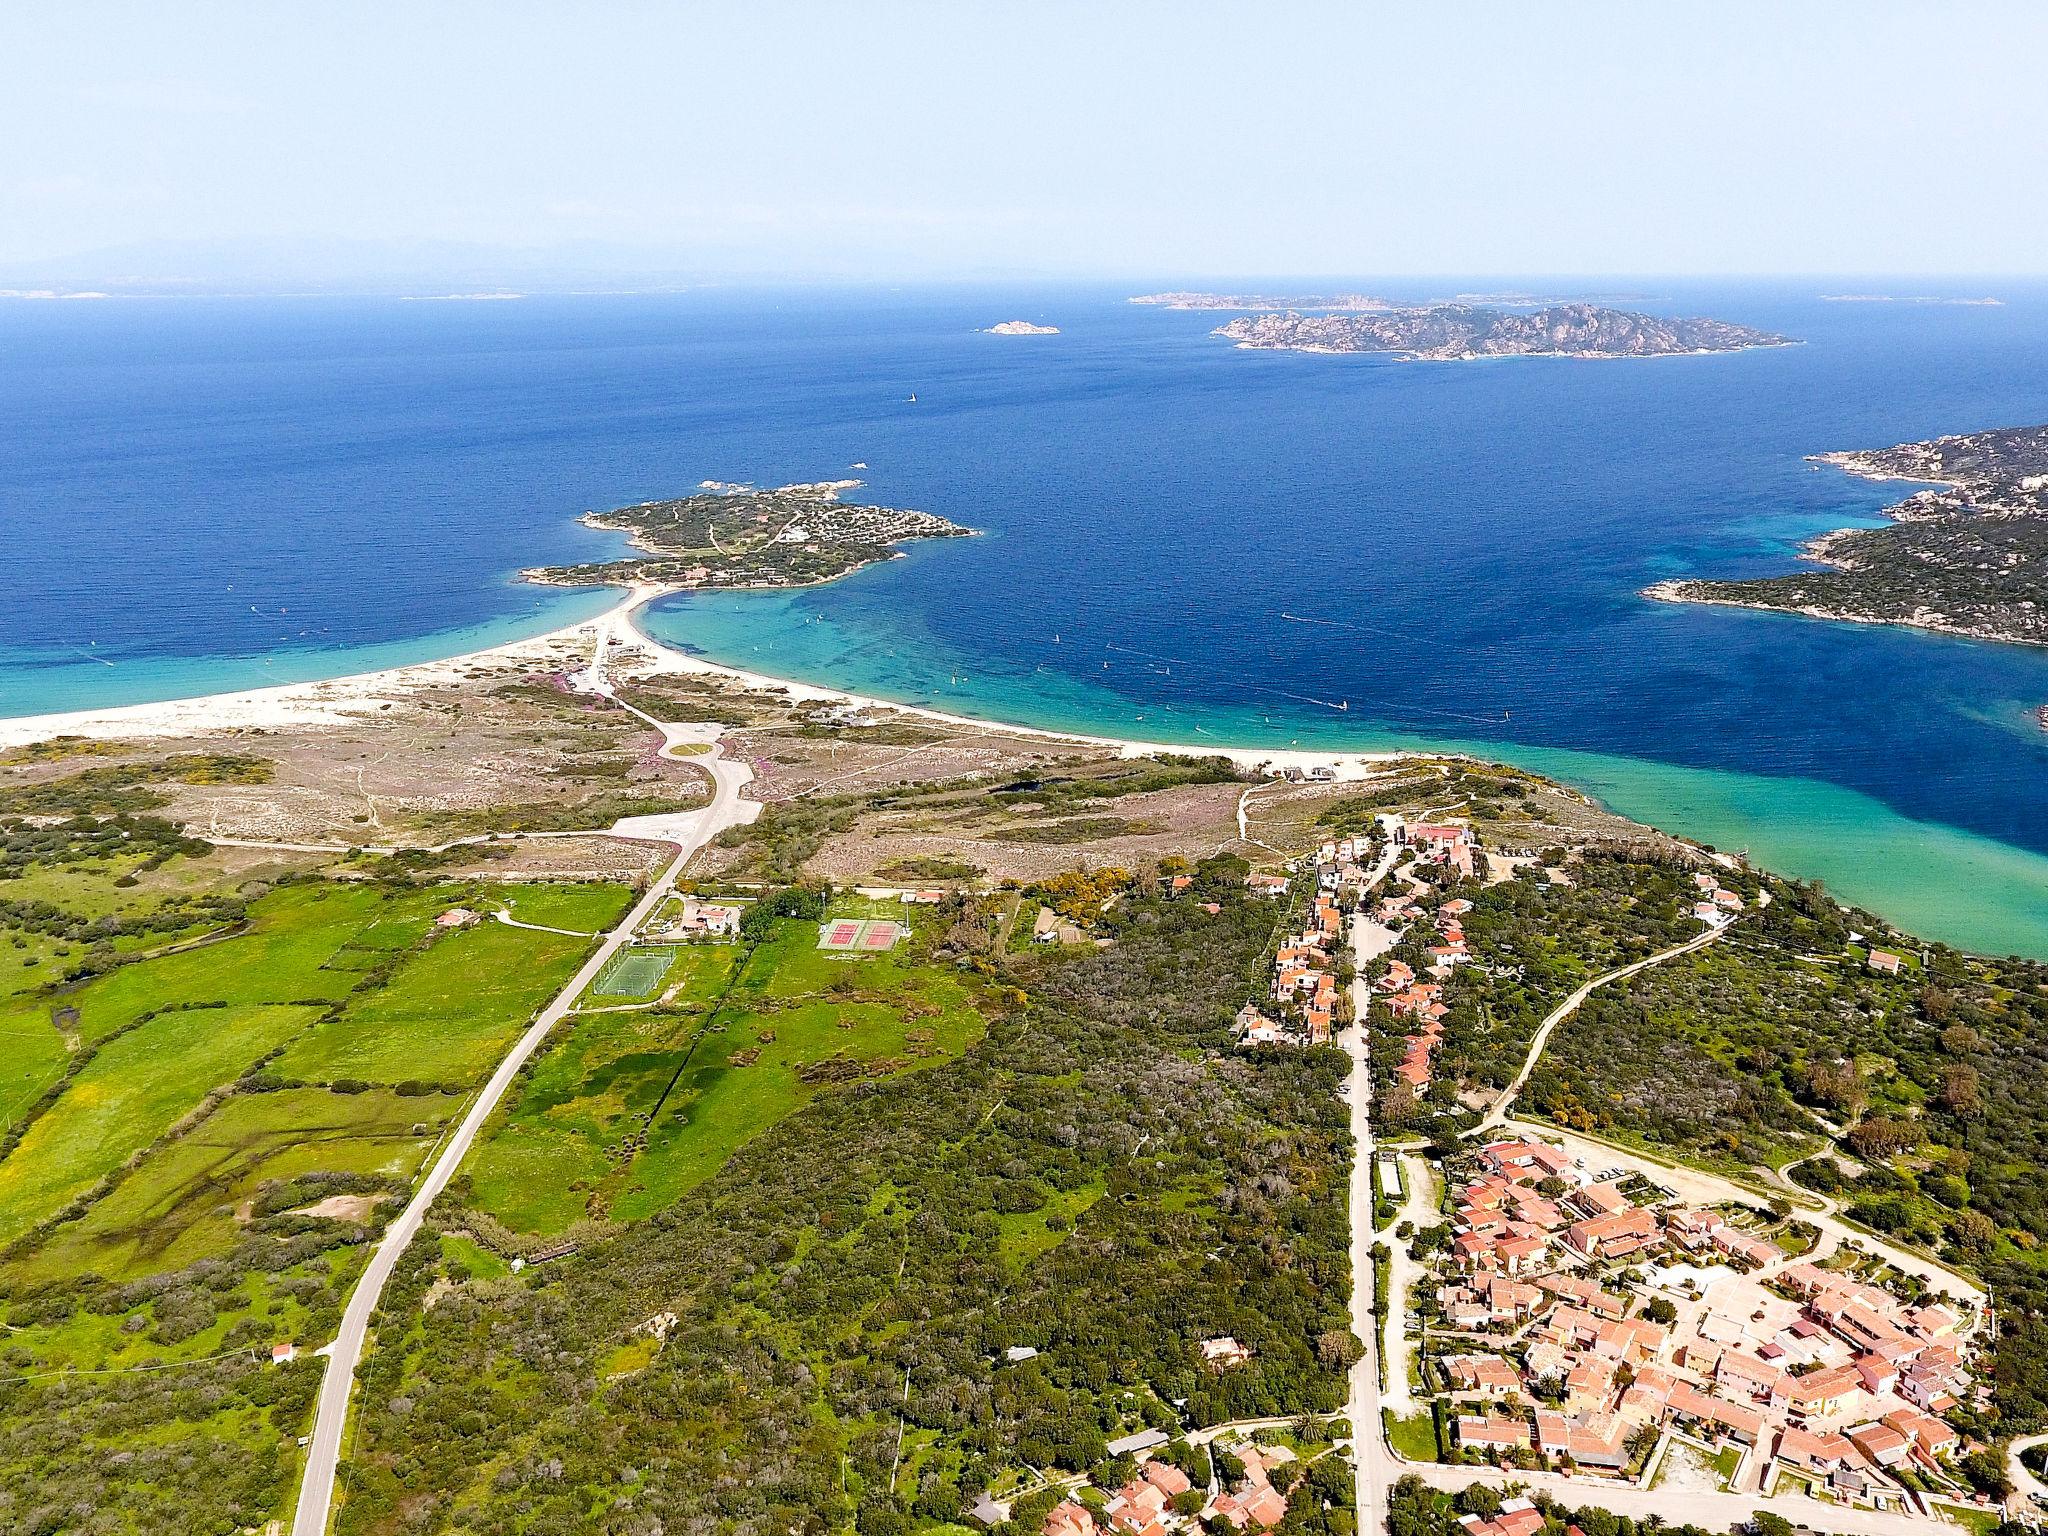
(1096, 1176)
(1536, 940)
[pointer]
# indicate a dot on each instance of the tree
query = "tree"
(1480, 1500)
(1985, 1471)
(1764, 1523)
(1881, 1137)
(1961, 1091)
(1836, 1085)
(1974, 1233)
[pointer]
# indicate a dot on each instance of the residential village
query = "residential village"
(1306, 999)
(1162, 1498)
(1578, 1317)
(1587, 1321)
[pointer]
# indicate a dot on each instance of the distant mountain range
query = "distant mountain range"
(1262, 302)
(1457, 331)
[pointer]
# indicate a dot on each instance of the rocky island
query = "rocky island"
(1022, 328)
(736, 536)
(1455, 332)
(1260, 303)
(1969, 557)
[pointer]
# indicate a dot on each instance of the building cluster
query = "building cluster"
(1713, 904)
(1302, 997)
(1144, 1506)
(1517, 1517)
(694, 919)
(1450, 845)
(1802, 1367)
(1409, 997)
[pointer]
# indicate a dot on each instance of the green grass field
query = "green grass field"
(634, 974)
(579, 1142)
(293, 933)
(586, 908)
(179, 1205)
(162, 1033)
(447, 1015)
(131, 1093)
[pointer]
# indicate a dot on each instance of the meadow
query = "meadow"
(181, 1204)
(634, 1107)
(194, 1144)
(447, 1014)
(133, 1090)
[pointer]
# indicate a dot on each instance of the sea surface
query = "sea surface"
(1180, 541)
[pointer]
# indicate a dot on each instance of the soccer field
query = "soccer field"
(634, 973)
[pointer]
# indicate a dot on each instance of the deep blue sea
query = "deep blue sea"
(1182, 541)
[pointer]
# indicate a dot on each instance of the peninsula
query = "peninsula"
(1968, 557)
(737, 536)
(1456, 332)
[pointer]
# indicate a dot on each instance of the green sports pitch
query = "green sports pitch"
(634, 973)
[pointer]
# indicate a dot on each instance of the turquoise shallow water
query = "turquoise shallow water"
(1181, 541)
(1935, 880)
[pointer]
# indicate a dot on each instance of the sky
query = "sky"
(897, 139)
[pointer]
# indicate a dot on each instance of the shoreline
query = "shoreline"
(1674, 590)
(1670, 798)
(338, 700)
(351, 697)
(1348, 766)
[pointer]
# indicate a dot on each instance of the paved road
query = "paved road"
(2026, 1486)
(1369, 1454)
(689, 831)
(1497, 1116)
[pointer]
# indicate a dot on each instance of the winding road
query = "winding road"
(688, 831)
(1497, 1116)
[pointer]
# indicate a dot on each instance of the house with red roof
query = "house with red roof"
(1493, 1432)
(1616, 1236)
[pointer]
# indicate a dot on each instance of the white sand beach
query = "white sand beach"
(344, 700)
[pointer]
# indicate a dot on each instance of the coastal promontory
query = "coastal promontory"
(737, 536)
(1968, 556)
(1454, 332)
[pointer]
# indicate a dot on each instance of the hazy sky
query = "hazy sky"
(878, 138)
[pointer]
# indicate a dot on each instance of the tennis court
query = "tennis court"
(634, 973)
(854, 935)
